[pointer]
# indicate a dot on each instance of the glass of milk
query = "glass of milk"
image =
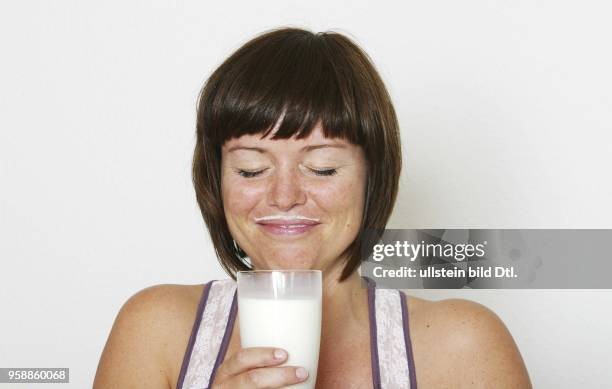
(282, 308)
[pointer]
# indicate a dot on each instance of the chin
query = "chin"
(278, 261)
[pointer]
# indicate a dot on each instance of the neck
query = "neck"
(345, 306)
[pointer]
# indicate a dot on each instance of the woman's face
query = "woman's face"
(293, 204)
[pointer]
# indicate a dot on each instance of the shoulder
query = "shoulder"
(162, 300)
(159, 310)
(464, 343)
(149, 337)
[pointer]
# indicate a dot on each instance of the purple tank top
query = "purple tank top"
(391, 350)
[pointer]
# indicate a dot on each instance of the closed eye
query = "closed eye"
(325, 172)
(249, 174)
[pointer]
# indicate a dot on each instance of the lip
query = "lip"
(287, 227)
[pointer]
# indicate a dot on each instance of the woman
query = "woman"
(297, 154)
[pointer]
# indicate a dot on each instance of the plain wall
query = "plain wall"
(505, 110)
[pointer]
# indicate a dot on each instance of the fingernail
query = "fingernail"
(301, 373)
(280, 354)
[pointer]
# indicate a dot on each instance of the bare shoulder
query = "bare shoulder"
(149, 337)
(463, 344)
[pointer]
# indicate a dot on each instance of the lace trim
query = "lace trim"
(210, 334)
(392, 356)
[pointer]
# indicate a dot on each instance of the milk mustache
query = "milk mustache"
(293, 324)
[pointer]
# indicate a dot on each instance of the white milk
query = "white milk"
(291, 324)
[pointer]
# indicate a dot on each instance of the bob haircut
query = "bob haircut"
(303, 79)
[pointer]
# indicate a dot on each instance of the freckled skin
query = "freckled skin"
(288, 186)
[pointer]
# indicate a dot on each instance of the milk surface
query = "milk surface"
(291, 324)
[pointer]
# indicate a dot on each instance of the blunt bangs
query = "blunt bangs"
(299, 78)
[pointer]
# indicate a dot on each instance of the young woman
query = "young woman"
(298, 153)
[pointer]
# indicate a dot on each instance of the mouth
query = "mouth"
(287, 227)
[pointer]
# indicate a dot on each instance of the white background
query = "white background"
(505, 109)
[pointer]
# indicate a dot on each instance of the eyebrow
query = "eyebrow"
(305, 148)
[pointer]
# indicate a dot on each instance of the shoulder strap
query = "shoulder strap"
(208, 335)
(394, 351)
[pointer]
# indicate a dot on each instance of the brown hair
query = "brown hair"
(305, 79)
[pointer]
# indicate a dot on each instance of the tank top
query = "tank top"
(391, 350)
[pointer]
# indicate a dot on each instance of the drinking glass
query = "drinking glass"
(282, 308)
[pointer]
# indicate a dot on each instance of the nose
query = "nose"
(285, 191)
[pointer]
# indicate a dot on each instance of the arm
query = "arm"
(134, 355)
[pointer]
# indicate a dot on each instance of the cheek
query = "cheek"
(239, 196)
(345, 198)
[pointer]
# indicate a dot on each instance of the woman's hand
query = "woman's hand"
(257, 367)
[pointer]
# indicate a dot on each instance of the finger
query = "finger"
(250, 358)
(270, 377)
